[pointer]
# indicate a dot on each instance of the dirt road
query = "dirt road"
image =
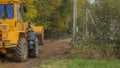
(50, 49)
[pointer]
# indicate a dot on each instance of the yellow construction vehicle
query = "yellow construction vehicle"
(17, 37)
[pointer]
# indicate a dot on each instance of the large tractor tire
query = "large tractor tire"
(34, 52)
(20, 53)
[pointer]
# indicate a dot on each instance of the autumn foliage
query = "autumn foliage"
(55, 15)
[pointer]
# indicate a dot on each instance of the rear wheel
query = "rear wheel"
(20, 53)
(34, 52)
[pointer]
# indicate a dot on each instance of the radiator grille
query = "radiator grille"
(4, 28)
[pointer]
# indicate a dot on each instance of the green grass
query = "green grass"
(80, 63)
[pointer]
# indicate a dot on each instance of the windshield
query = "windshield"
(6, 11)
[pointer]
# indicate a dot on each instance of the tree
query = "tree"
(31, 11)
(55, 15)
(106, 31)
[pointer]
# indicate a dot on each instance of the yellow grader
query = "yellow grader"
(21, 39)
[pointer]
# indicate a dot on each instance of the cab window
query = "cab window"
(6, 11)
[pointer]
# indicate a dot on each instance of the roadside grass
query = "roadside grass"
(83, 56)
(80, 63)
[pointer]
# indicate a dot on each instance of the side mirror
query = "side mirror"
(25, 8)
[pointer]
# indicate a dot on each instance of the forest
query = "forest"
(97, 21)
(56, 16)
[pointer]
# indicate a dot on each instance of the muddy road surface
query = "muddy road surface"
(50, 50)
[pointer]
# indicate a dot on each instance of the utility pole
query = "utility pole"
(86, 21)
(74, 20)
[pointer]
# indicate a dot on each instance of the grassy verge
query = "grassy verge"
(80, 63)
(83, 56)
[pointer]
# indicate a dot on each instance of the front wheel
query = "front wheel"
(34, 52)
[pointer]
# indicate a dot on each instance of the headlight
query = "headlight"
(31, 42)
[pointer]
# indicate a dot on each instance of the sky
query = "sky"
(91, 1)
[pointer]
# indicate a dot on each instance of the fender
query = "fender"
(13, 36)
